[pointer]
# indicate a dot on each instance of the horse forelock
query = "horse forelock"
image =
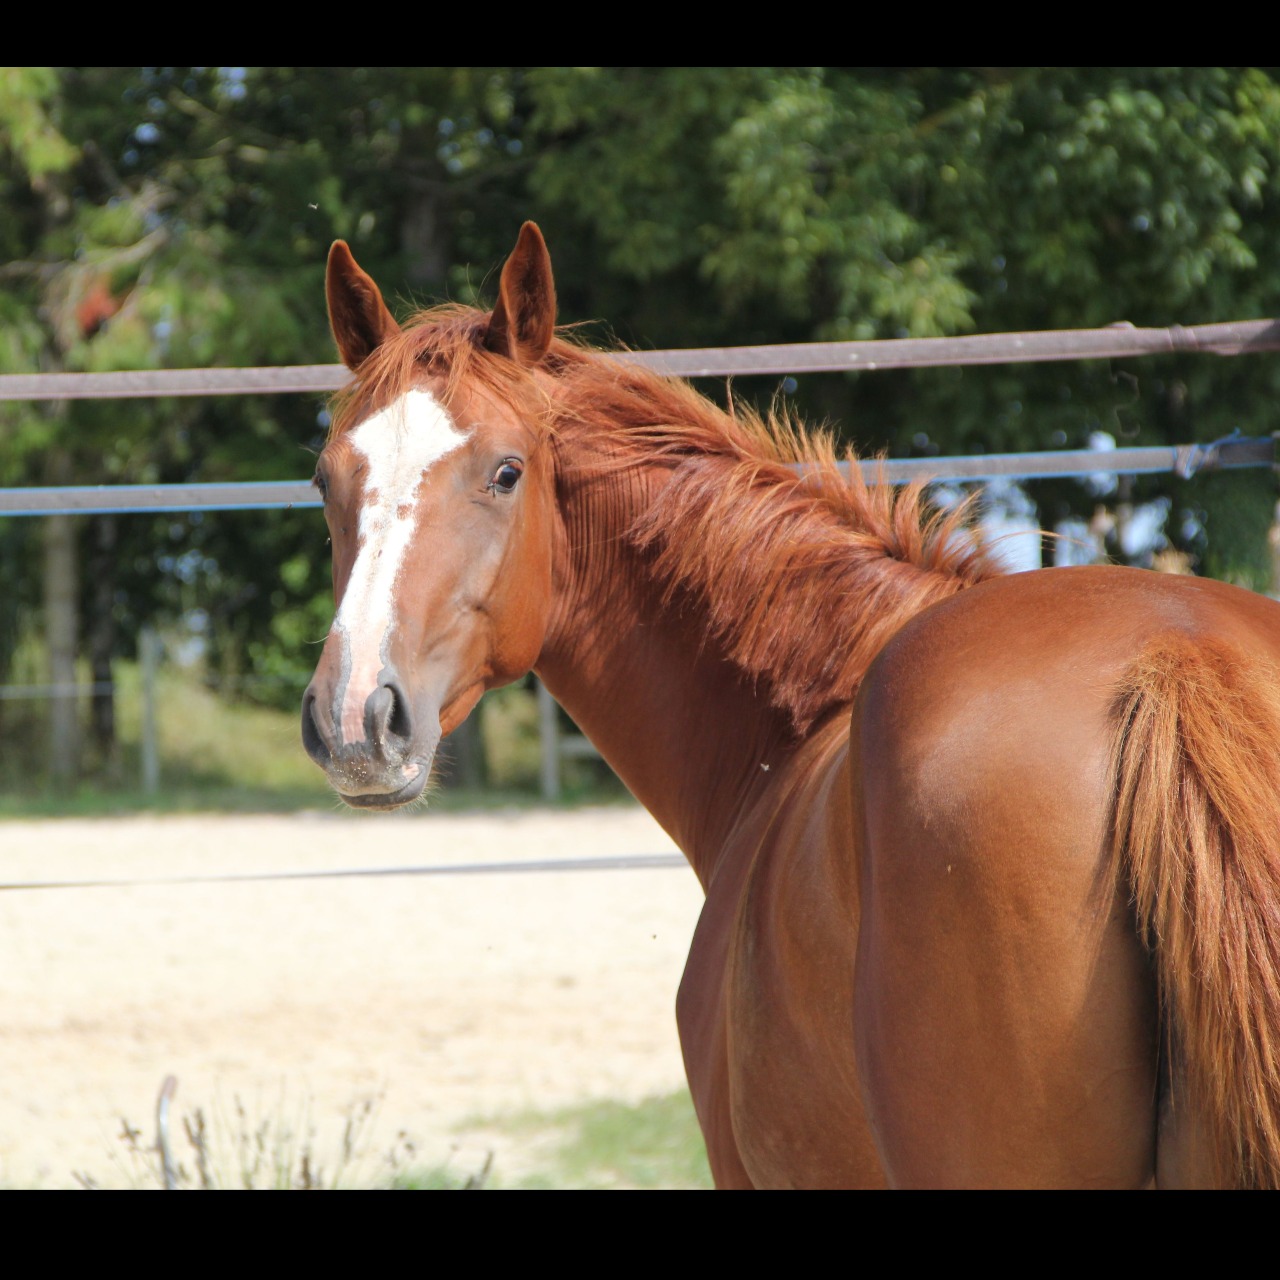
(445, 342)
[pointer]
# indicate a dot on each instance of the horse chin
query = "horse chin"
(395, 798)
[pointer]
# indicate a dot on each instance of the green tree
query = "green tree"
(758, 204)
(180, 217)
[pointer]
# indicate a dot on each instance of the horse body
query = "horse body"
(963, 930)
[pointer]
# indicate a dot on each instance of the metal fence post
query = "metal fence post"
(549, 737)
(149, 656)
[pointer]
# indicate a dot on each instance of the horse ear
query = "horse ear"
(357, 314)
(524, 321)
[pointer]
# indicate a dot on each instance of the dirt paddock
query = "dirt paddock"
(441, 997)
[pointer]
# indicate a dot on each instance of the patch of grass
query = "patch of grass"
(648, 1145)
(97, 801)
(443, 1178)
(214, 753)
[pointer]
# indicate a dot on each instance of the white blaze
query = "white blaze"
(398, 445)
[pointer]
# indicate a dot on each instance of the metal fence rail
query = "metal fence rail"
(105, 499)
(1184, 460)
(1232, 338)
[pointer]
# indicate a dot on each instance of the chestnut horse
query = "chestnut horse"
(991, 862)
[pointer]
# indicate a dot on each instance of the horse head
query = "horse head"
(438, 492)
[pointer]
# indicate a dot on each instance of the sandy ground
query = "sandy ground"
(439, 998)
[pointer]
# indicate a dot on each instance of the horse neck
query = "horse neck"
(644, 680)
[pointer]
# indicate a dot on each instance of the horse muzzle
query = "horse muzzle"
(390, 764)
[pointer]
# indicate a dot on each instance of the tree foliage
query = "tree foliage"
(180, 216)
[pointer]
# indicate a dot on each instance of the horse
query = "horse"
(992, 884)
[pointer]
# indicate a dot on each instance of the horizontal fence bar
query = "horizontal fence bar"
(1118, 340)
(1184, 460)
(104, 499)
(1228, 339)
(140, 383)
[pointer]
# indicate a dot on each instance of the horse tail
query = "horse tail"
(1197, 830)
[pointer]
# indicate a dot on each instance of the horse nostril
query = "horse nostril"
(400, 725)
(387, 715)
(312, 739)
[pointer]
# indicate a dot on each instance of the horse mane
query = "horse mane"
(802, 569)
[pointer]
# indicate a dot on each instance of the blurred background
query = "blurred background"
(171, 217)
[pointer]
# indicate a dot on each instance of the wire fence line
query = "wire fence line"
(603, 862)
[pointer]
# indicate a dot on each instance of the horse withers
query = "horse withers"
(991, 861)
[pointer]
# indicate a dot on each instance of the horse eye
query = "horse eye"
(504, 479)
(322, 484)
